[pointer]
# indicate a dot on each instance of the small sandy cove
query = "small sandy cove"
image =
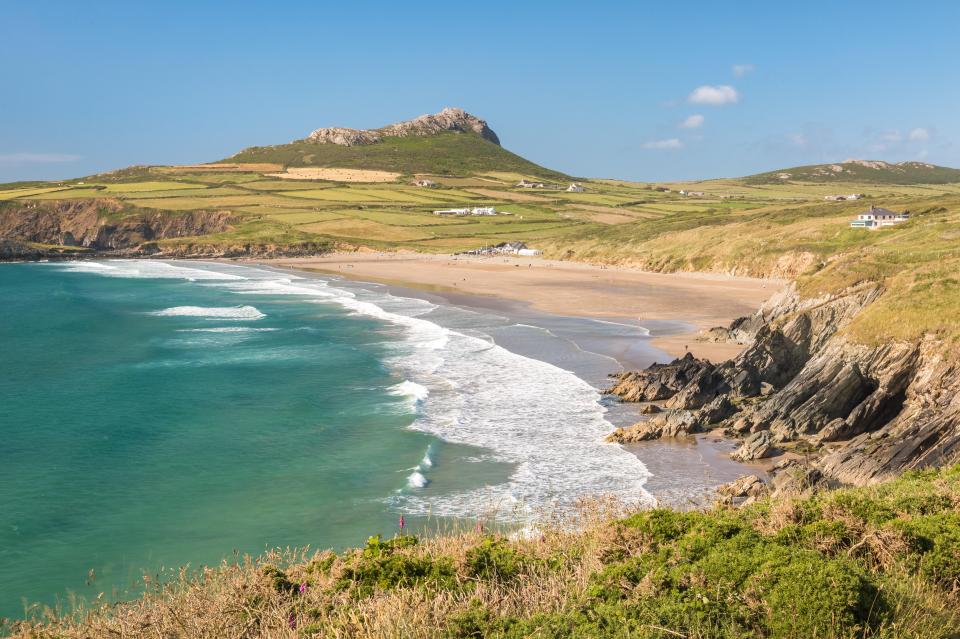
(568, 288)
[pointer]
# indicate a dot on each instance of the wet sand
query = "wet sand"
(690, 302)
(683, 471)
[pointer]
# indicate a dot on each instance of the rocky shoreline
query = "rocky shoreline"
(825, 409)
(103, 227)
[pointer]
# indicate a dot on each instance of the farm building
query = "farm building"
(506, 248)
(691, 193)
(426, 184)
(527, 184)
(841, 198)
(477, 210)
(876, 218)
(575, 188)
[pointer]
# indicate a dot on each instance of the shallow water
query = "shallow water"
(162, 413)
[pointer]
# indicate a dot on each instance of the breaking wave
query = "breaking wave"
(217, 313)
(544, 421)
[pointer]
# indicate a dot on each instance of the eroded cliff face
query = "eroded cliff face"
(865, 412)
(105, 227)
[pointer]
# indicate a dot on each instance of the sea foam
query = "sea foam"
(215, 313)
(544, 421)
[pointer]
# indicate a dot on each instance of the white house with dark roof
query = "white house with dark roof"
(878, 217)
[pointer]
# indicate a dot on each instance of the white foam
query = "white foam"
(214, 312)
(154, 269)
(410, 389)
(427, 461)
(417, 480)
(228, 329)
(545, 421)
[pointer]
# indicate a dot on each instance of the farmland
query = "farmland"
(606, 221)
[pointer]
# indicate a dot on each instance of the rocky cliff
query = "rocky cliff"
(858, 414)
(449, 119)
(106, 227)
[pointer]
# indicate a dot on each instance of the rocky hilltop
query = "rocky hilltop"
(449, 119)
(862, 171)
(827, 408)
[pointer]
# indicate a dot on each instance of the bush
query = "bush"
(380, 566)
(493, 559)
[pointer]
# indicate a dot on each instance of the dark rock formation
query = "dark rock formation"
(869, 412)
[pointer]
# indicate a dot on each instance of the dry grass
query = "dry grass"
(336, 175)
(876, 563)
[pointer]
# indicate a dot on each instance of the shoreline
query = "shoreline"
(683, 471)
(674, 306)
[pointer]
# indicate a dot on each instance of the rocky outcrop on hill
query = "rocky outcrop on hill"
(865, 413)
(449, 119)
(106, 227)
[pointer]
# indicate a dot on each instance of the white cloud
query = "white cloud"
(694, 121)
(36, 158)
(714, 95)
(672, 143)
(891, 136)
(919, 135)
(741, 70)
(798, 139)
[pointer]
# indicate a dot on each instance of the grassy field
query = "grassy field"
(454, 154)
(871, 563)
(742, 226)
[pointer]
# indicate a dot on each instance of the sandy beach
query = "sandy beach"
(699, 300)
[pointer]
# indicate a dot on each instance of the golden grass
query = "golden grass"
(259, 167)
(600, 571)
(10, 194)
(365, 230)
(336, 175)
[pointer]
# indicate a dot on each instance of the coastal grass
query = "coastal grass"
(876, 562)
(738, 226)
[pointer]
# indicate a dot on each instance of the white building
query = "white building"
(477, 210)
(527, 184)
(426, 184)
(506, 248)
(877, 218)
(575, 188)
(841, 198)
(692, 193)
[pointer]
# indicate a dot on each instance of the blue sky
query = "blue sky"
(647, 91)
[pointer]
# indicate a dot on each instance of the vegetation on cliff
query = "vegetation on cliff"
(871, 562)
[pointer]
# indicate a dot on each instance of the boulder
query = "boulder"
(756, 446)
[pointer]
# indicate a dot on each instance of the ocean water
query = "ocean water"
(165, 413)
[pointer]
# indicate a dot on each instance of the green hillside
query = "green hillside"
(870, 563)
(449, 153)
(863, 171)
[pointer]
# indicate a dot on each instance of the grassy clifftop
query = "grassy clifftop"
(916, 262)
(866, 563)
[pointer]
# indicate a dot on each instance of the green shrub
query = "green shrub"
(380, 566)
(814, 597)
(493, 559)
(935, 546)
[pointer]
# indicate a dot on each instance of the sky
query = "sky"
(630, 90)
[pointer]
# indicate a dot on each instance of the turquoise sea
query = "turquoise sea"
(164, 413)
